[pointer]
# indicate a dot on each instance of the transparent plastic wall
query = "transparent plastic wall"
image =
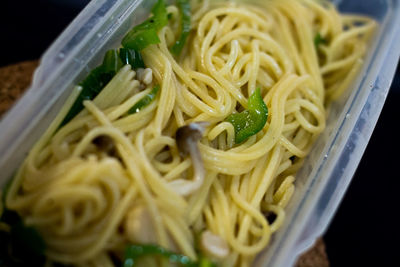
(327, 172)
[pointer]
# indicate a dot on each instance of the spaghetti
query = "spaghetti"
(109, 178)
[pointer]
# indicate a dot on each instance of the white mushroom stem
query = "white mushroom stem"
(145, 75)
(213, 245)
(187, 138)
(139, 226)
(186, 187)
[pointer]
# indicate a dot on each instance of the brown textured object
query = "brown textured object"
(14, 80)
(315, 256)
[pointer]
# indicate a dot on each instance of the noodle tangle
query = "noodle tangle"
(106, 179)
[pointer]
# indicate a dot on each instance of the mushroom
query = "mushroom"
(139, 226)
(187, 138)
(214, 245)
(106, 144)
(140, 229)
(145, 75)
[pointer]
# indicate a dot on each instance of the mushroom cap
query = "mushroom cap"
(188, 135)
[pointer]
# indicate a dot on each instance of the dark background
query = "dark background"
(365, 230)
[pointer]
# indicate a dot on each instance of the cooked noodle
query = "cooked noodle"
(83, 200)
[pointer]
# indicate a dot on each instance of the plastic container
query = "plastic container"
(327, 171)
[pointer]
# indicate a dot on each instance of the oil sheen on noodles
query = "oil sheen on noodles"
(86, 203)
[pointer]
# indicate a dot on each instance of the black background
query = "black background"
(365, 230)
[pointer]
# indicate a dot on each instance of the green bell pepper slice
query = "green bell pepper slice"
(250, 121)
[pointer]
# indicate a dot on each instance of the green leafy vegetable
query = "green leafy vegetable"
(145, 34)
(134, 252)
(22, 245)
(140, 39)
(131, 57)
(137, 39)
(97, 79)
(29, 238)
(250, 121)
(318, 39)
(112, 62)
(204, 262)
(184, 7)
(146, 100)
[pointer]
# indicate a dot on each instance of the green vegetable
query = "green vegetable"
(22, 245)
(160, 16)
(141, 39)
(112, 62)
(131, 57)
(250, 121)
(184, 7)
(133, 252)
(318, 39)
(145, 34)
(204, 262)
(146, 100)
(137, 39)
(95, 82)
